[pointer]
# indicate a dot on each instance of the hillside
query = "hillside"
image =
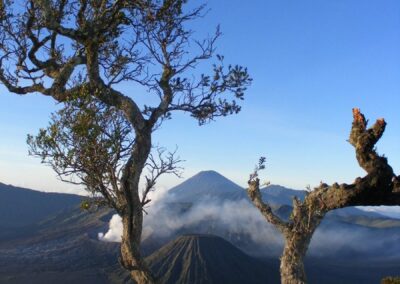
(201, 259)
(62, 249)
(20, 206)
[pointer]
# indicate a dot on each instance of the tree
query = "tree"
(78, 52)
(379, 187)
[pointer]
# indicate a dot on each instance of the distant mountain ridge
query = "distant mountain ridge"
(212, 185)
(21, 206)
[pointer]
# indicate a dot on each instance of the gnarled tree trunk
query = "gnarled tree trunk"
(379, 187)
(130, 252)
(292, 259)
(132, 215)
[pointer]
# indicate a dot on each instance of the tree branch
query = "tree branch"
(159, 164)
(379, 187)
(255, 196)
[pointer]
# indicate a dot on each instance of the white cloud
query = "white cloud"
(241, 219)
(235, 217)
(115, 230)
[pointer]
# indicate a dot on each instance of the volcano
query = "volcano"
(206, 185)
(199, 259)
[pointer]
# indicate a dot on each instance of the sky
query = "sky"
(311, 61)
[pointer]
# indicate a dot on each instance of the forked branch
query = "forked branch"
(158, 164)
(379, 187)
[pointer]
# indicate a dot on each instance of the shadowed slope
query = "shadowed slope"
(21, 206)
(208, 259)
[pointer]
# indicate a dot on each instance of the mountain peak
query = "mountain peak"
(209, 173)
(206, 184)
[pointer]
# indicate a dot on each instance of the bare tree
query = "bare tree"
(379, 187)
(78, 52)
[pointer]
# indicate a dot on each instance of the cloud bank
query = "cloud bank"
(242, 224)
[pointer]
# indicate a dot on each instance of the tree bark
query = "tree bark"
(130, 252)
(292, 260)
(132, 217)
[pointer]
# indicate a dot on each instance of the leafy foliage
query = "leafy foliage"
(86, 142)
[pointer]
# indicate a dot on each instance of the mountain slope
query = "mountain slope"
(62, 249)
(199, 259)
(280, 195)
(20, 206)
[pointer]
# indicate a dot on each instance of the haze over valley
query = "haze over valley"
(204, 223)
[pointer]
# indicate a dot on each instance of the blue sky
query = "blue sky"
(311, 61)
